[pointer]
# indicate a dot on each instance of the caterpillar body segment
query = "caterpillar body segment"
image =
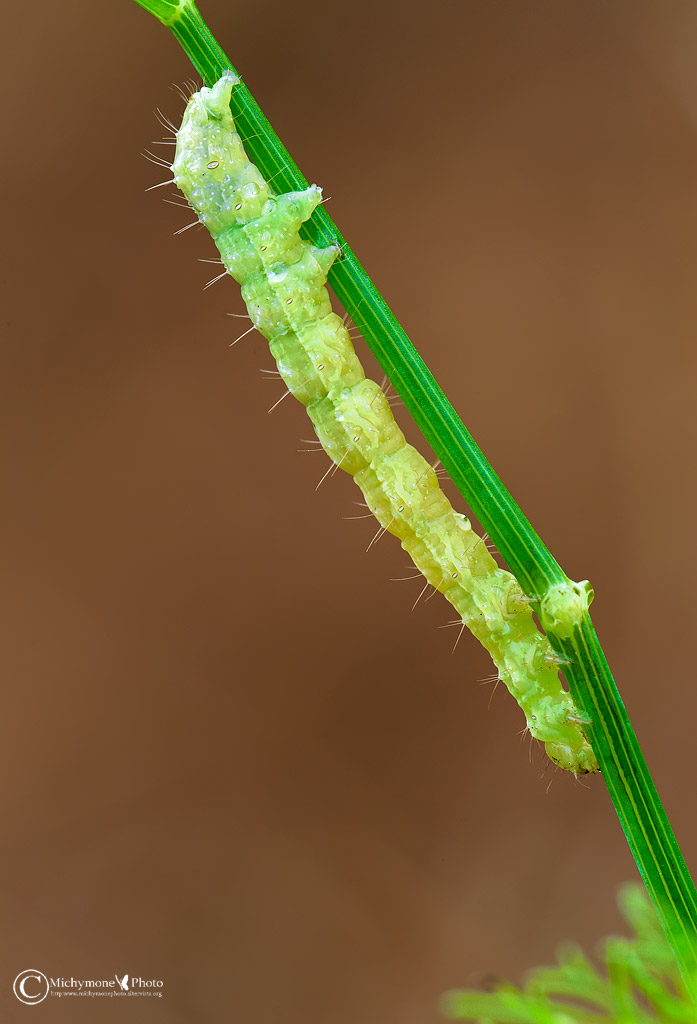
(283, 281)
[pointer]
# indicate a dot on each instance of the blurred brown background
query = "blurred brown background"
(232, 757)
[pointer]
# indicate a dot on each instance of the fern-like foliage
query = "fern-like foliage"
(642, 983)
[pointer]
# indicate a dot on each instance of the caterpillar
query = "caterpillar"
(283, 281)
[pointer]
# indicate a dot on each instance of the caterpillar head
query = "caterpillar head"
(563, 606)
(210, 165)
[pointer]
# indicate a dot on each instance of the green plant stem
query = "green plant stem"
(626, 775)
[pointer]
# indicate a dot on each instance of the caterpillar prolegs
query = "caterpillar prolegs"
(283, 285)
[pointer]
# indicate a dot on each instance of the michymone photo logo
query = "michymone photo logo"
(32, 987)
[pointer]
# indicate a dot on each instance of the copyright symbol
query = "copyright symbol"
(31, 987)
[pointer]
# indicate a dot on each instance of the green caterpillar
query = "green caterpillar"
(283, 285)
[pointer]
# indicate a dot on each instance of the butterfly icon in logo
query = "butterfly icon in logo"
(123, 982)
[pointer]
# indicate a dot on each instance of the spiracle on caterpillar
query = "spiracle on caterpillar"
(283, 281)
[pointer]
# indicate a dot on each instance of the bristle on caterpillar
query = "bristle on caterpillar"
(283, 285)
